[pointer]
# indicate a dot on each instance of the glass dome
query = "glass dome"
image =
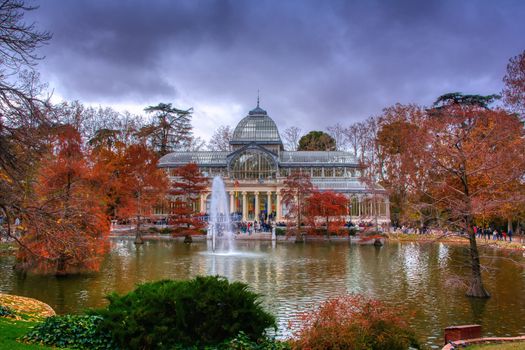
(257, 127)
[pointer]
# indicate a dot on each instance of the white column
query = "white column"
(359, 207)
(278, 207)
(244, 207)
(232, 203)
(256, 211)
(203, 202)
(387, 205)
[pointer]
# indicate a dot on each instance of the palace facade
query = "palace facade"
(255, 168)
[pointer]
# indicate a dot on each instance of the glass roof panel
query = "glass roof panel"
(201, 158)
(320, 157)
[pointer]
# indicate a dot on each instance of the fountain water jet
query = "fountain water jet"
(219, 223)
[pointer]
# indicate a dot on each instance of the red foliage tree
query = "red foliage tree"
(65, 226)
(397, 137)
(186, 186)
(297, 187)
(144, 184)
(470, 154)
(108, 158)
(327, 209)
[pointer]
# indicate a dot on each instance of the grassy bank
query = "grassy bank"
(11, 329)
(24, 314)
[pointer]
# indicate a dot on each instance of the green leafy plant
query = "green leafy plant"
(199, 312)
(6, 311)
(354, 322)
(71, 331)
(243, 342)
(279, 231)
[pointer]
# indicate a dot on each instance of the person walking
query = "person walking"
(510, 235)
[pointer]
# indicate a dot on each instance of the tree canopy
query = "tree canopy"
(514, 89)
(170, 128)
(317, 141)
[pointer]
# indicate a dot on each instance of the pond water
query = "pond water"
(296, 277)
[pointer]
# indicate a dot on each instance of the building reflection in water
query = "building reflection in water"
(296, 277)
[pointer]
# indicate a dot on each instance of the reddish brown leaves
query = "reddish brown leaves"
(297, 187)
(65, 228)
(327, 210)
(186, 187)
(352, 322)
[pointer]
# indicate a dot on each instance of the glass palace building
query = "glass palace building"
(256, 166)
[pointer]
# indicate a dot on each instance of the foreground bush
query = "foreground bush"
(353, 322)
(166, 314)
(71, 331)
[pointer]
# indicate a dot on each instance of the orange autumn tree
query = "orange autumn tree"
(108, 157)
(297, 187)
(144, 185)
(186, 186)
(470, 154)
(65, 227)
(326, 210)
(398, 133)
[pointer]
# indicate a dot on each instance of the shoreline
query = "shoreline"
(515, 245)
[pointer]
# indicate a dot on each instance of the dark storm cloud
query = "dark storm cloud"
(316, 63)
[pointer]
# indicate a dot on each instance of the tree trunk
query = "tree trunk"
(138, 235)
(61, 267)
(476, 288)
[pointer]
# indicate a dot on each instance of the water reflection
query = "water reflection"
(293, 277)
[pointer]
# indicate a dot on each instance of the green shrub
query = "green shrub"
(242, 342)
(279, 231)
(6, 311)
(71, 331)
(202, 311)
(354, 322)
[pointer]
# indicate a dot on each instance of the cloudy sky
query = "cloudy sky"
(315, 62)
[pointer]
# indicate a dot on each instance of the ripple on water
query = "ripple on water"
(234, 254)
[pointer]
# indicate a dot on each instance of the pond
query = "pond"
(295, 277)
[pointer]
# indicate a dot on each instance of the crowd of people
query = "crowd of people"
(488, 233)
(244, 227)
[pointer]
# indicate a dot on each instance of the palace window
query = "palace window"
(253, 164)
(317, 172)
